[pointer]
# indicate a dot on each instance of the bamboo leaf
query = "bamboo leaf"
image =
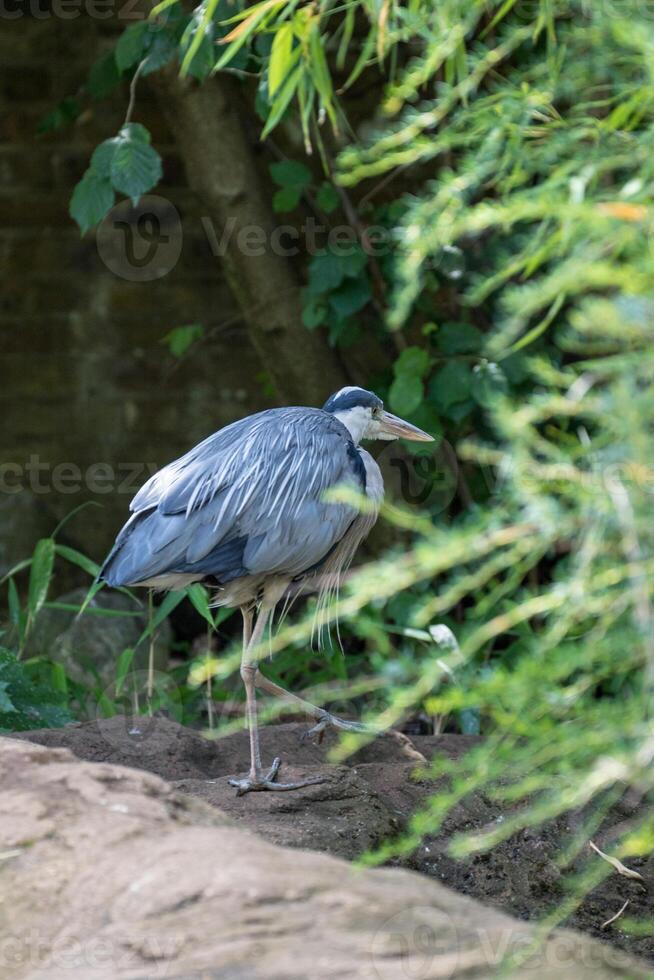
(122, 668)
(77, 558)
(282, 101)
(280, 58)
(199, 598)
(170, 602)
(40, 575)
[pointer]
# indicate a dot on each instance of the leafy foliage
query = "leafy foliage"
(127, 164)
(509, 166)
(27, 702)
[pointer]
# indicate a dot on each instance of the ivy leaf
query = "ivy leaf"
(326, 272)
(451, 385)
(314, 313)
(290, 173)
(460, 338)
(406, 394)
(350, 297)
(327, 198)
(135, 166)
(413, 360)
(460, 410)
(344, 333)
(92, 199)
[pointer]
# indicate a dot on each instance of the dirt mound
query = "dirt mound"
(162, 746)
(368, 800)
(110, 874)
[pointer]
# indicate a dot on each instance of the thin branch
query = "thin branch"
(132, 92)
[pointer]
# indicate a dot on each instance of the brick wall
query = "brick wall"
(85, 377)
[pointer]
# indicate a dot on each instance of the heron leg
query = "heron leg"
(257, 779)
(324, 719)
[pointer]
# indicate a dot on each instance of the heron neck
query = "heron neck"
(356, 420)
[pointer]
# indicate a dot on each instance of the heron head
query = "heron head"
(362, 413)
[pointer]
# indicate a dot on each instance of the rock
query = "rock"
(88, 646)
(110, 874)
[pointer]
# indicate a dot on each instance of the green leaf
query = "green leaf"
(460, 410)
(102, 157)
(92, 198)
(122, 667)
(162, 49)
(180, 339)
(135, 168)
(413, 360)
(92, 610)
(16, 614)
(291, 173)
(170, 602)
(313, 313)
(286, 199)
(327, 197)
(132, 45)
(58, 678)
(103, 77)
(406, 394)
(280, 57)
(40, 575)
(320, 71)
(460, 338)
(65, 113)
(451, 385)
(490, 383)
(77, 558)
(6, 704)
(135, 131)
(327, 270)
(202, 60)
(283, 99)
(199, 598)
(350, 297)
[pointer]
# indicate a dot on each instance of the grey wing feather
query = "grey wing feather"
(247, 500)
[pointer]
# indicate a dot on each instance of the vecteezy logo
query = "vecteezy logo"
(426, 477)
(141, 242)
(130, 719)
(416, 944)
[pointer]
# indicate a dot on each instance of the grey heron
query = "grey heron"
(246, 513)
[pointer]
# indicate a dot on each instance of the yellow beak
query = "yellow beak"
(399, 429)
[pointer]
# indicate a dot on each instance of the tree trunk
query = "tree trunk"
(220, 165)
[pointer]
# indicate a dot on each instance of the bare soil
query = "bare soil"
(368, 800)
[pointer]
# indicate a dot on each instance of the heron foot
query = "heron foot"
(332, 721)
(260, 781)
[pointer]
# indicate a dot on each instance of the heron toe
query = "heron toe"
(340, 724)
(260, 781)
